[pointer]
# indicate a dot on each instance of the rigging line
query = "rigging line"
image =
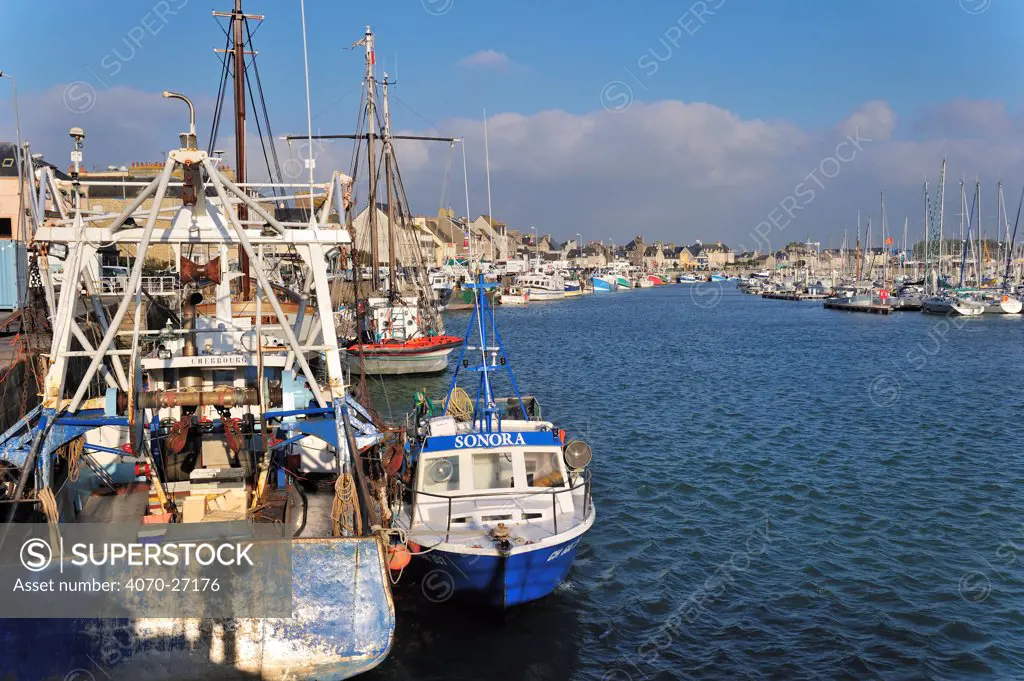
(220, 25)
(259, 132)
(218, 109)
(336, 101)
(263, 104)
(432, 124)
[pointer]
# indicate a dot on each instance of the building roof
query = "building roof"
(718, 247)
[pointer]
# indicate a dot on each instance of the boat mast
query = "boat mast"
(371, 159)
(238, 60)
(926, 273)
(487, 165)
(858, 249)
(885, 251)
(392, 260)
(963, 242)
(977, 200)
(940, 197)
(903, 260)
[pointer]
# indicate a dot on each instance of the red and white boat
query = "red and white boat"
(396, 339)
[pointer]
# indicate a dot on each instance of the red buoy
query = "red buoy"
(398, 557)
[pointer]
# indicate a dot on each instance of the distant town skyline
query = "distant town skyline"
(753, 123)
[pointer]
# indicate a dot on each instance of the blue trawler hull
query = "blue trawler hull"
(342, 625)
(497, 581)
(603, 285)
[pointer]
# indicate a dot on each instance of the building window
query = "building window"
(5, 228)
(8, 163)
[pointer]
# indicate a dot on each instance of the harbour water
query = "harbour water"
(783, 492)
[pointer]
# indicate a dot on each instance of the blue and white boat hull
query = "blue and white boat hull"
(480, 576)
(603, 285)
(342, 624)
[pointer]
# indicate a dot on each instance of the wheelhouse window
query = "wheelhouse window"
(441, 475)
(492, 470)
(542, 469)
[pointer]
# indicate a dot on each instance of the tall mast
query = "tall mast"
(977, 198)
(238, 53)
(885, 250)
(487, 165)
(941, 199)
(903, 260)
(392, 260)
(371, 134)
(858, 247)
(927, 245)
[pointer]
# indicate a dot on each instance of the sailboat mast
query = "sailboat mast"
(885, 251)
(371, 159)
(941, 198)
(487, 164)
(858, 246)
(392, 260)
(963, 242)
(469, 231)
(903, 260)
(977, 200)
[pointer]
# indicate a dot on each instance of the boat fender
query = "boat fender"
(561, 436)
(414, 547)
(398, 557)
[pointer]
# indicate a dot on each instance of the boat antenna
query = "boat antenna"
(487, 166)
(310, 161)
(465, 180)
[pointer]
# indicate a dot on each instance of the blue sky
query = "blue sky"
(806, 61)
(802, 63)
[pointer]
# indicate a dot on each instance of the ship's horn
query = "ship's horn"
(191, 273)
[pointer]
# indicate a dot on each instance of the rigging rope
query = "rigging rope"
(460, 405)
(49, 504)
(345, 508)
(219, 108)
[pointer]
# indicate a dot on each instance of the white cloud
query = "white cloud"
(485, 59)
(672, 170)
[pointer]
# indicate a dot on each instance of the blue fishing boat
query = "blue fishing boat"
(497, 500)
(605, 283)
(719, 277)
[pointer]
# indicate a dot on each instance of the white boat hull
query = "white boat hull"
(513, 299)
(539, 295)
(1009, 306)
(431, 362)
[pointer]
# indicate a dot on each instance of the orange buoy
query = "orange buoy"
(561, 436)
(1006, 298)
(398, 557)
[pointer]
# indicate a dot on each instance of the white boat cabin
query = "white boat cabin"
(516, 477)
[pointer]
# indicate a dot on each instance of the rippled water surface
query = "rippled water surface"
(782, 492)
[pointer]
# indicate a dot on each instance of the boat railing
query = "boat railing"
(583, 481)
(155, 285)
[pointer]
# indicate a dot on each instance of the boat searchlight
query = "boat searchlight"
(577, 455)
